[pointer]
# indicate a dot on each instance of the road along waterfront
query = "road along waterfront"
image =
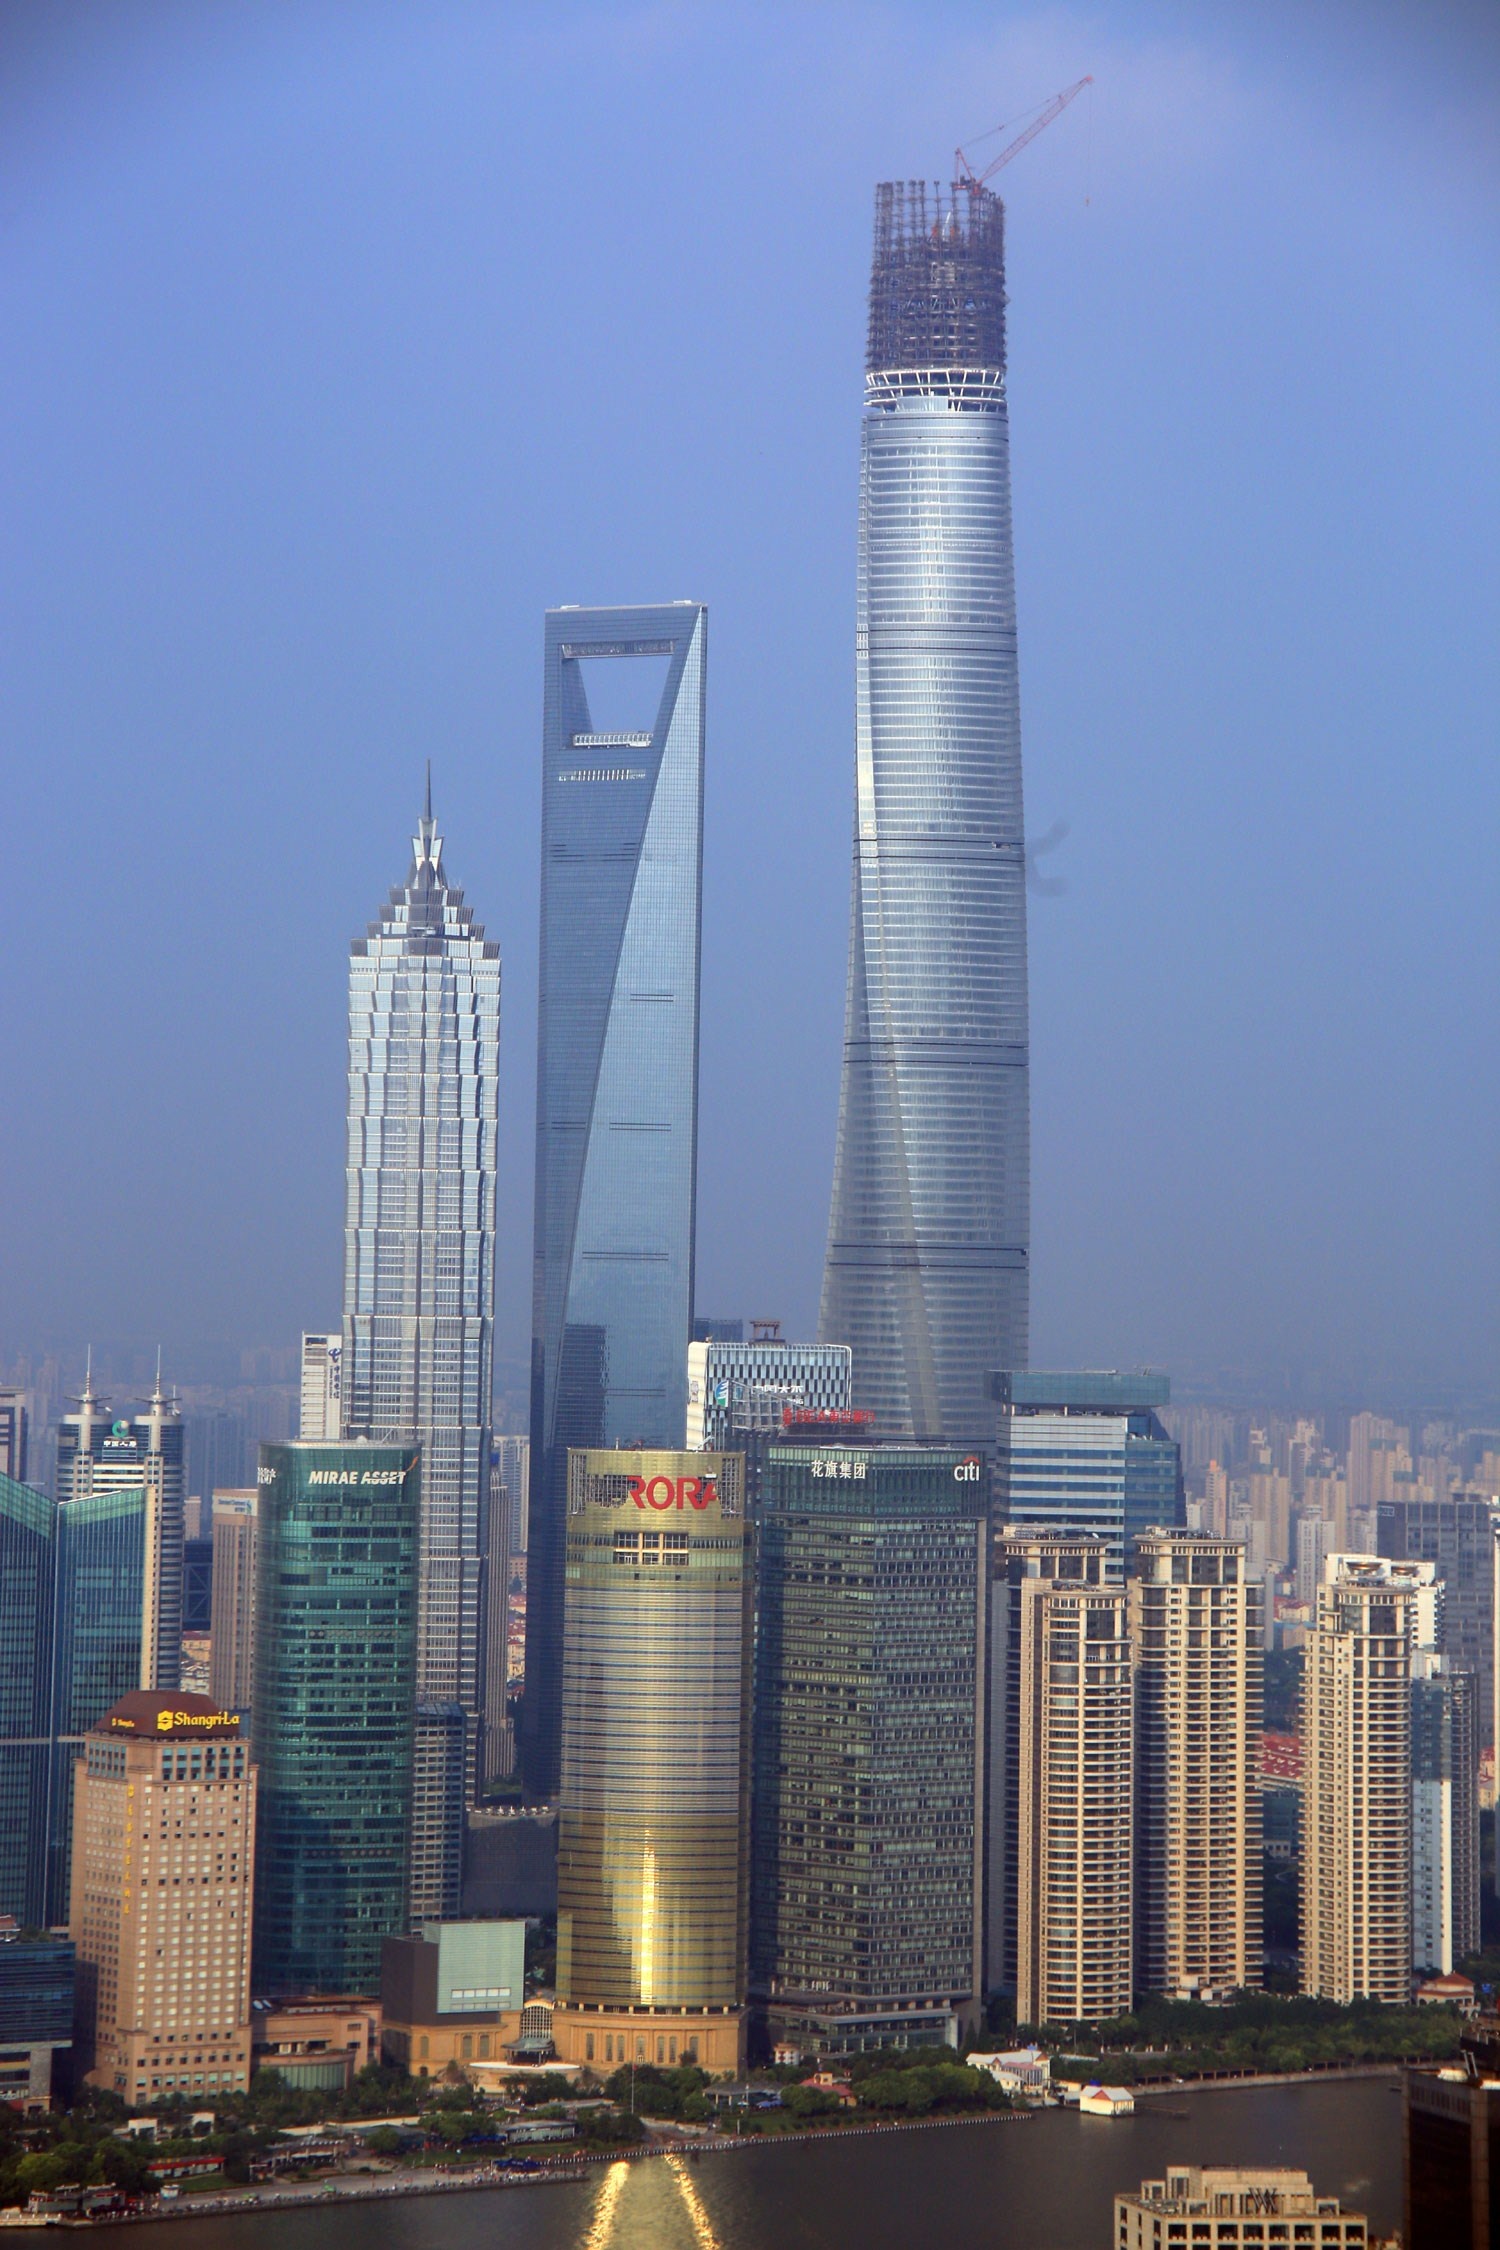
(1048, 2187)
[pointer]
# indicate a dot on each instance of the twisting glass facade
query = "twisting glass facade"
(928, 1239)
(651, 1892)
(335, 1666)
(419, 1268)
(617, 1076)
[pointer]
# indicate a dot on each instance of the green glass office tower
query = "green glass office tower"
(867, 1784)
(72, 1602)
(335, 1683)
(98, 1642)
(28, 1553)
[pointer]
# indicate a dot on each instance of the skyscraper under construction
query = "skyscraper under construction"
(419, 1291)
(928, 1239)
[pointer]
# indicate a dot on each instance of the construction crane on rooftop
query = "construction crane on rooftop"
(964, 173)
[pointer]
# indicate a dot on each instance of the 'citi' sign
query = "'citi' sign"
(672, 1492)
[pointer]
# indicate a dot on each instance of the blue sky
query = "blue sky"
(344, 339)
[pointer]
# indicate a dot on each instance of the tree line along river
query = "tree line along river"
(1045, 2184)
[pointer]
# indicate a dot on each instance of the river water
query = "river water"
(1043, 2184)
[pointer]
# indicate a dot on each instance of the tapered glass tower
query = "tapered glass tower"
(419, 1268)
(928, 1240)
(617, 1075)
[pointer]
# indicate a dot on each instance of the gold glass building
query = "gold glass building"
(653, 1808)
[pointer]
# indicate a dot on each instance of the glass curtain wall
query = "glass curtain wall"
(335, 1677)
(28, 1554)
(102, 1542)
(929, 1233)
(419, 1274)
(617, 1075)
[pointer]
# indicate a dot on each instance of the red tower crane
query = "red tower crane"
(963, 171)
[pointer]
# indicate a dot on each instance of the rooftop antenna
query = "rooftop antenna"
(88, 1400)
(964, 174)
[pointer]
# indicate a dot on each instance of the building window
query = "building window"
(468, 2046)
(661, 2048)
(484, 2046)
(422, 2047)
(588, 2047)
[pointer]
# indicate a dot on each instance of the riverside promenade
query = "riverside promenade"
(579, 2165)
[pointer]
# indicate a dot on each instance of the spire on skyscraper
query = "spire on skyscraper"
(88, 1401)
(426, 847)
(424, 1035)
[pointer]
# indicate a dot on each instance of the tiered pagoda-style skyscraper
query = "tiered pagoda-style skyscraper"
(419, 1270)
(928, 1240)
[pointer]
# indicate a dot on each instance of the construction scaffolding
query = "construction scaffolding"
(937, 280)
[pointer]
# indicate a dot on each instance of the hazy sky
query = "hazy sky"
(341, 340)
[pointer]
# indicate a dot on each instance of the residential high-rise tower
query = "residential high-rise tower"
(926, 1275)
(1357, 1779)
(1195, 1618)
(1060, 1809)
(232, 1597)
(617, 1075)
